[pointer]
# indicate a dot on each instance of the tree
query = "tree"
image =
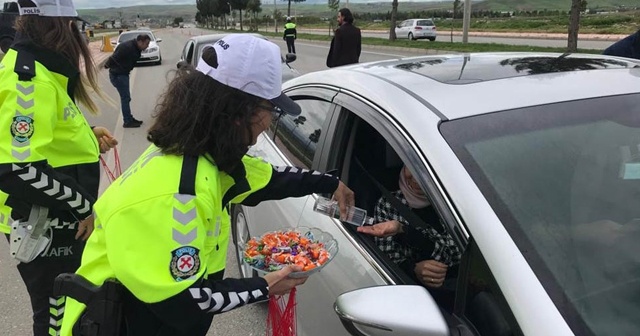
(176, 21)
(577, 6)
(394, 13)
(240, 5)
(456, 7)
(300, 120)
(254, 7)
(289, 5)
(334, 5)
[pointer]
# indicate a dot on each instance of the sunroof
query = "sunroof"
(466, 69)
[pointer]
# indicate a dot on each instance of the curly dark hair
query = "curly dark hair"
(198, 115)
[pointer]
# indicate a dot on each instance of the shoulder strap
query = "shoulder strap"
(188, 175)
(403, 209)
(25, 66)
(241, 184)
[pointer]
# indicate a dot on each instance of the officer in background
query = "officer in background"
(48, 152)
(290, 35)
(163, 227)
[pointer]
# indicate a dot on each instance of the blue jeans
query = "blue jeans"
(121, 83)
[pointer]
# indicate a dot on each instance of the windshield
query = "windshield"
(132, 35)
(564, 179)
(424, 23)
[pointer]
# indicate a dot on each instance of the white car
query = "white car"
(152, 53)
(193, 48)
(415, 29)
(531, 162)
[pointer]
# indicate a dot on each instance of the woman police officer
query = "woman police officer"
(162, 229)
(48, 152)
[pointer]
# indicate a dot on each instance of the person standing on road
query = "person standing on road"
(165, 239)
(120, 65)
(48, 152)
(627, 47)
(290, 35)
(346, 44)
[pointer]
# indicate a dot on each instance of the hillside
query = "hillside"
(510, 5)
(319, 7)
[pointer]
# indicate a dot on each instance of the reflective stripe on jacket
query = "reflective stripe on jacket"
(48, 153)
(163, 243)
(290, 30)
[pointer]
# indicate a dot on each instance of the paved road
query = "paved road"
(148, 82)
(445, 36)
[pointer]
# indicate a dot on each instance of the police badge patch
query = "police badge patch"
(185, 262)
(22, 128)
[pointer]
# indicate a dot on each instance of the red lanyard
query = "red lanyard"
(117, 170)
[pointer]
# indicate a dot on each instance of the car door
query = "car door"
(301, 141)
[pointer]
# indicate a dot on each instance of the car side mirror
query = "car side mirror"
(182, 64)
(291, 57)
(158, 40)
(390, 310)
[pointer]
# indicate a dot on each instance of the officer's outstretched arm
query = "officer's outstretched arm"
(291, 182)
(24, 172)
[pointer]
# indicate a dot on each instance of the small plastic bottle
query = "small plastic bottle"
(355, 216)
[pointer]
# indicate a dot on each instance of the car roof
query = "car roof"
(458, 86)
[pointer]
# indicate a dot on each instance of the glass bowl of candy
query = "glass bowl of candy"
(309, 248)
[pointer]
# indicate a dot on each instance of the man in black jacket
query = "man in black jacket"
(346, 43)
(120, 65)
(627, 47)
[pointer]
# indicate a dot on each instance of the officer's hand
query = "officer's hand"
(85, 228)
(345, 198)
(280, 283)
(105, 139)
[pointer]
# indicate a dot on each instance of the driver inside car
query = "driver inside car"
(426, 253)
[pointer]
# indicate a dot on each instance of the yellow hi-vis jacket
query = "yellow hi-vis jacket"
(163, 241)
(48, 152)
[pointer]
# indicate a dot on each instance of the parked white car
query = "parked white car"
(152, 53)
(415, 29)
(532, 163)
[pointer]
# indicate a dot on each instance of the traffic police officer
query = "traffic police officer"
(290, 35)
(162, 228)
(48, 152)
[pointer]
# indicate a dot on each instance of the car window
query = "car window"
(564, 179)
(483, 304)
(408, 23)
(299, 137)
(189, 57)
(424, 23)
(371, 163)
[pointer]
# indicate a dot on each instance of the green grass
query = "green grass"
(507, 5)
(438, 45)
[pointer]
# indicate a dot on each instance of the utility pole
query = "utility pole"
(466, 21)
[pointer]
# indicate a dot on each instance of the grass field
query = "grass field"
(438, 45)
